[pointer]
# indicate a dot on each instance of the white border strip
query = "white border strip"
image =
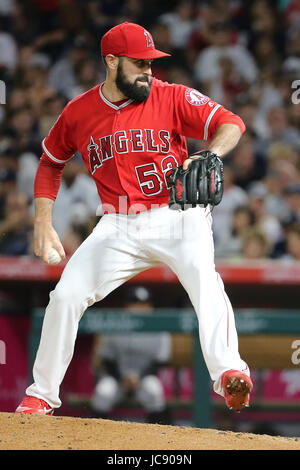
(51, 156)
(208, 121)
(111, 104)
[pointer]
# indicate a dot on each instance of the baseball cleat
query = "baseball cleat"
(34, 405)
(237, 387)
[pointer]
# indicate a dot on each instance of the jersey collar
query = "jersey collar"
(109, 103)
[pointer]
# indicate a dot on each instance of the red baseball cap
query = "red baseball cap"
(131, 40)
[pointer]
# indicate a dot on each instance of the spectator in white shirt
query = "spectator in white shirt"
(233, 197)
(180, 23)
(63, 74)
(208, 68)
(8, 51)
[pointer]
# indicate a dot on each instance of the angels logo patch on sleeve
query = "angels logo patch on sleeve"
(195, 98)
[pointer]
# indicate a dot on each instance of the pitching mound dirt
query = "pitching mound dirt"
(32, 432)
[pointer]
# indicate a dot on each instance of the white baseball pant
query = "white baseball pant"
(120, 247)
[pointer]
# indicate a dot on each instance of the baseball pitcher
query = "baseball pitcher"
(156, 204)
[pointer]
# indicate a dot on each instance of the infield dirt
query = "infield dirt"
(33, 432)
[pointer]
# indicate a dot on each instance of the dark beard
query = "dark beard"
(133, 90)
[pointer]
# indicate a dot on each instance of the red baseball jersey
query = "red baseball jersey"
(130, 149)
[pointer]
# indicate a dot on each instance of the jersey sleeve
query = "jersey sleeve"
(59, 145)
(197, 116)
(48, 178)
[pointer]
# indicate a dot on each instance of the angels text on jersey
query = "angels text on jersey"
(126, 142)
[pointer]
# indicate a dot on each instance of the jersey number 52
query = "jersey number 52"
(149, 178)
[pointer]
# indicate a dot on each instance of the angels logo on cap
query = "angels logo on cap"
(149, 39)
(195, 98)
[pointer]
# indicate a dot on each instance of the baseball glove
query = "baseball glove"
(201, 183)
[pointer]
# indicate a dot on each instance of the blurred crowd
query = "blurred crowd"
(244, 55)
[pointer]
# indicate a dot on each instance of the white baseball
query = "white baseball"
(54, 256)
